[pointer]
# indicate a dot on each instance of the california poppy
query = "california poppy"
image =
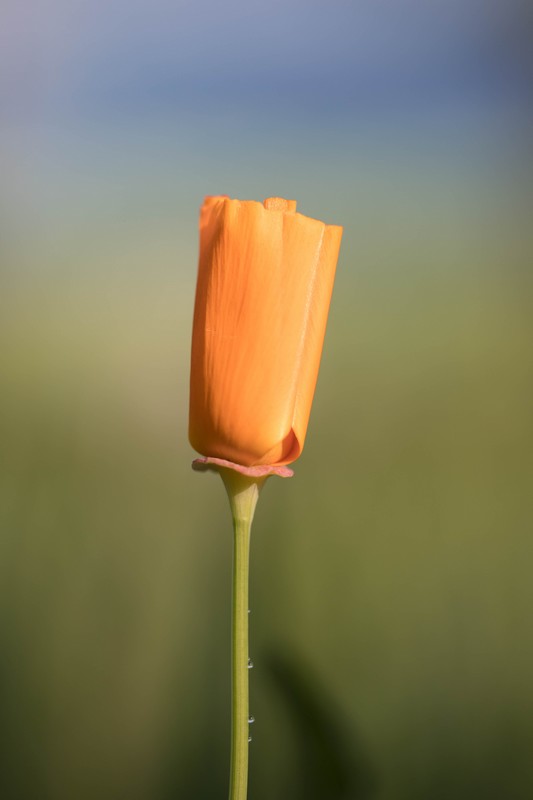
(265, 279)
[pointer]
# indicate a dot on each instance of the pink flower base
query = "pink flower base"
(203, 464)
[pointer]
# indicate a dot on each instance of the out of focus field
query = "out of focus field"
(392, 591)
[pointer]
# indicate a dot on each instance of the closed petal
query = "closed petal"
(317, 317)
(264, 285)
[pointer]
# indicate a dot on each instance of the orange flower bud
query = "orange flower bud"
(265, 279)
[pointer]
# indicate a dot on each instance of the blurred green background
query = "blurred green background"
(391, 588)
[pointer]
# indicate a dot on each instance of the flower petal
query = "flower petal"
(264, 286)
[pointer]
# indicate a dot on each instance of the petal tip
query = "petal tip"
(280, 204)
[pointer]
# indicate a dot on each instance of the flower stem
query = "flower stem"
(243, 492)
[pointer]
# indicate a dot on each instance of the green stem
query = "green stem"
(243, 493)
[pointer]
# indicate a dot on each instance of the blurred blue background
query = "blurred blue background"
(391, 578)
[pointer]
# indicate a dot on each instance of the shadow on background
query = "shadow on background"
(331, 761)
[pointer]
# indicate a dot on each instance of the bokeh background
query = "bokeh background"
(392, 584)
